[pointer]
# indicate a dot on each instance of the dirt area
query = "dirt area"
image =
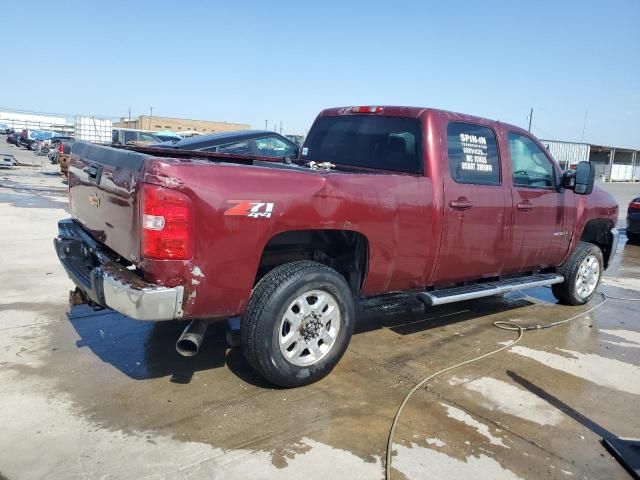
(97, 395)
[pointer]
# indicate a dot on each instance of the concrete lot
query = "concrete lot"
(96, 395)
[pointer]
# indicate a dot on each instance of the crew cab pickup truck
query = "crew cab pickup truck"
(441, 205)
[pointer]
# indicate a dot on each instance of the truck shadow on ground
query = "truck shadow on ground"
(146, 350)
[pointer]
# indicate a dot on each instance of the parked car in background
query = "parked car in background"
(4, 128)
(43, 141)
(263, 143)
(131, 136)
(167, 136)
(13, 138)
(190, 133)
(29, 137)
(633, 220)
(54, 145)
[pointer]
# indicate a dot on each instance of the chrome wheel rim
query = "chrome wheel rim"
(309, 328)
(588, 276)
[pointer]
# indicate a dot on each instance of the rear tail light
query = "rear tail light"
(635, 203)
(366, 109)
(60, 148)
(166, 224)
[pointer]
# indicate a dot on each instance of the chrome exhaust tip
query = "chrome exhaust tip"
(189, 342)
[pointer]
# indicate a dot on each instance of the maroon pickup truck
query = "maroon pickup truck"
(445, 206)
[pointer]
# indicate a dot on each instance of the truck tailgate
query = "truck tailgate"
(103, 190)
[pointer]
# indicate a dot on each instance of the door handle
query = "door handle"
(525, 206)
(95, 173)
(460, 204)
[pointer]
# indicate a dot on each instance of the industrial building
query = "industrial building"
(613, 164)
(178, 125)
(24, 120)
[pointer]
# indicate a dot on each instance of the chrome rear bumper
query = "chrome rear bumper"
(107, 283)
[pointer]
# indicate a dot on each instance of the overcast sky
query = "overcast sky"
(285, 61)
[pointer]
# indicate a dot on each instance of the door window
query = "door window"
(274, 147)
(473, 154)
(531, 167)
(129, 137)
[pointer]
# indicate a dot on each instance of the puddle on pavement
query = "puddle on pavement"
(215, 403)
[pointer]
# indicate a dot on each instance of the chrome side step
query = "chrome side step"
(479, 290)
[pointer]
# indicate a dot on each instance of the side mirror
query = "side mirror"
(581, 179)
(584, 178)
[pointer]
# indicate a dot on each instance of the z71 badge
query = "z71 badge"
(249, 208)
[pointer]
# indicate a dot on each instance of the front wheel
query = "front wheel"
(582, 274)
(298, 323)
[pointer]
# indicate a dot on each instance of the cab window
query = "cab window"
(531, 167)
(473, 154)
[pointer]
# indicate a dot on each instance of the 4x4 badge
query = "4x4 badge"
(250, 208)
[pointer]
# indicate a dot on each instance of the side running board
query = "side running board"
(478, 290)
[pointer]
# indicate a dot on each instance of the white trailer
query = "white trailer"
(34, 121)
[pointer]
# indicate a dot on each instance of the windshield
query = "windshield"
(388, 143)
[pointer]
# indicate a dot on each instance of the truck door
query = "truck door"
(541, 225)
(477, 206)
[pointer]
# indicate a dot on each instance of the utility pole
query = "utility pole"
(280, 127)
(584, 125)
(530, 117)
(129, 115)
(265, 124)
(150, 115)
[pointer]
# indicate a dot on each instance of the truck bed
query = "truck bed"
(104, 183)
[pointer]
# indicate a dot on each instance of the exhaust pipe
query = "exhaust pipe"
(189, 342)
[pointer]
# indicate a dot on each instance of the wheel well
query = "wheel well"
(343, 250)
(598, 232)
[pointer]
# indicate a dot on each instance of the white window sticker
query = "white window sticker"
(305, 150)
(474, 148)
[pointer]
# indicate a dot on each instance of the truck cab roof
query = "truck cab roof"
(410, 112)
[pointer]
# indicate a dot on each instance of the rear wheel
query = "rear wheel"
(582, 274)
(633, 237)
(298, 323)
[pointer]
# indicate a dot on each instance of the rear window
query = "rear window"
(388, 143)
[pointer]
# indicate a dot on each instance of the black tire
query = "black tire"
(633, 238)
(567, 291)
(261, 323)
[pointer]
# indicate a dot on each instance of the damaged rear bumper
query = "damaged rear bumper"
(107, 283)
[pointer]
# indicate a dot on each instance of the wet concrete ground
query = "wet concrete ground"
(96, 395)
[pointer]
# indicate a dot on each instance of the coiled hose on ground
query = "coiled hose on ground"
(503, 325)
